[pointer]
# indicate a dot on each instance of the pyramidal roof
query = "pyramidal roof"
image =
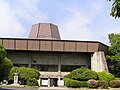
(44, 31)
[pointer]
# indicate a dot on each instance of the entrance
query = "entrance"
(53, 82)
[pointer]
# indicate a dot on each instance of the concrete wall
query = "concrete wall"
(49, 58)
(98, 62)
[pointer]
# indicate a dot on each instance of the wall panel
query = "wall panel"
(57, 46)
(33, 45)
(81, 47)
(21, 44)
(45, 45)
(69, 46)
(0, 41)
(92, 47)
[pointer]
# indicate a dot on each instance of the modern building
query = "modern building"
(54, 57)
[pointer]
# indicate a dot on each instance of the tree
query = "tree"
(27, 76)
(115, 11)
(5, 64)
(114, 55)
(2, 53)
(5, 67)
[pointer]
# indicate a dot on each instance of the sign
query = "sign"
(44, 82)
(60, 83)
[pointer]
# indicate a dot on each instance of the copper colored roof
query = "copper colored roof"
(52, 45)
(44, 31)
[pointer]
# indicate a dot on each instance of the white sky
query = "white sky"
(76, 19)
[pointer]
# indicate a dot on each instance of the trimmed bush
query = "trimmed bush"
(117, 78)
(92, 83)
(32, 82)
(89, 74)
(103, 84)
(74, 83)
(114, 83)
(67, 82)
(82, 74)
(105, 76)
(83, 84)
(76, 74)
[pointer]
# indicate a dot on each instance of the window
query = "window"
(69, 68)
(51, 68)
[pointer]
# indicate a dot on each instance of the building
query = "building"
(52, 56)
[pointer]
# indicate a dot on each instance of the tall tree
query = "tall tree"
(5, 64)
(114, 56)
(2, 53)
(115, 11)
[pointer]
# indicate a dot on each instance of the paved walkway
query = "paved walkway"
(53, 88)
(65, 88)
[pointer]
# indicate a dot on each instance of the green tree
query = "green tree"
(27, 76)
(5, 64)
(115, 11)
(114, 55)
(2, 53)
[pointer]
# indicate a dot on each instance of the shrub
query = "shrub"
(89, 74)
(11, 74)
(103, 84)
(105, 76)
(76, 74)
(67, 82)
(74, 83)
(32, 82)
(82, 74)
(92, 83)
(117, 78)
(25, 74)
(114, 83)
(83, 84)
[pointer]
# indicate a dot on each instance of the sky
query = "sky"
(83, 20)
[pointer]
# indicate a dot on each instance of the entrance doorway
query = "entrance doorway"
(53, 82)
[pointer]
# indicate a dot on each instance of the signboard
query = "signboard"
(60, 83)
(44, 82)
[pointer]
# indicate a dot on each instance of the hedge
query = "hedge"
(92, 83)
(103, 84)
(114, 83)
(74, 83)
(82, 74)
(105, 76)
(32, 82)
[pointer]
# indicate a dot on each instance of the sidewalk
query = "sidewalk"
(65, 88)
(51, 88)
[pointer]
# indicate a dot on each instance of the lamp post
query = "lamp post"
(16, 78)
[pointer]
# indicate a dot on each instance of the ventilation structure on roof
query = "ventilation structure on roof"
(44, 31)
